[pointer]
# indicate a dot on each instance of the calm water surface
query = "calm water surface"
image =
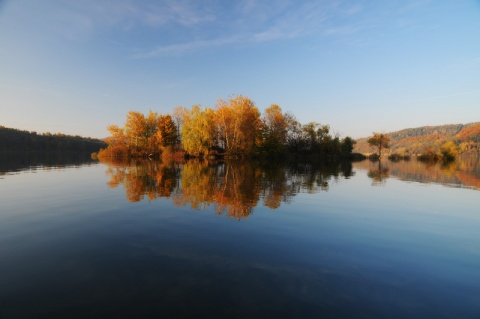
(240, 240)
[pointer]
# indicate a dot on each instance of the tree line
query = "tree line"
(13, 140)
(234, 128)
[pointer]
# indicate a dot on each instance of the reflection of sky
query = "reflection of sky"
(65, 234)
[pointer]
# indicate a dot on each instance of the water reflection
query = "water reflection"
(464, 172)
(68, 245)
(152, 179)
(233, 188)
(379, 174)
(17, 162)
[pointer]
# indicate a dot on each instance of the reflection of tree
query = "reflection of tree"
(196, 187)
(312, 177)
(274, 186)
(380, 174)
(234, 188)
(151, 178)
(239, 191)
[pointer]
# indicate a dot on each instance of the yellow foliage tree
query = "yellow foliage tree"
(449, 151)
(198, 130)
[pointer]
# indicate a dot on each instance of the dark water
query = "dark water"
(240, 240)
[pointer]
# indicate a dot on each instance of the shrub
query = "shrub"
(449, 151)
(429, 156)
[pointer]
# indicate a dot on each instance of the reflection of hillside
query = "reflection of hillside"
(16, 162)
(233, 188)
(463, 172)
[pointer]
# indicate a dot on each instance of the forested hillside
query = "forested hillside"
(13, 140)
(417, 140)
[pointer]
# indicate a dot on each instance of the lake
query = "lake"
(79, 238)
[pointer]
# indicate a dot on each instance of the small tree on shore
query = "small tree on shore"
(380, 141)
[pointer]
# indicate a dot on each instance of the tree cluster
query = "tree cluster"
(142, 136)
(235, 128)
(448, 152)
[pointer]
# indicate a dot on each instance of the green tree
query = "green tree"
(310, 130)
(347, 145)
(274, 130)
(295, 134)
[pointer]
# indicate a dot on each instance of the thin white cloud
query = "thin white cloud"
(77, 18)
(255, 21)
(181, 48)
(215, 23)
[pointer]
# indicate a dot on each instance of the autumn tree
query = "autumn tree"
(136, 133)
(167, 134)
(141, 136)
(198, 130)
(274, 130)
(152, 145)
(117, 146)
(380, 141)
(238, 123)
(178, 113)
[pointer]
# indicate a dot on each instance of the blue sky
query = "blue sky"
(359, 66)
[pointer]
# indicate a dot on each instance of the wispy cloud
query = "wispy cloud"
(210, 23)
(181, 48)
(79, 18)
(258, 21)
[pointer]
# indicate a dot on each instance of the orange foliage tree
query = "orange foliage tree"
(380, 141)
(238, 123)
(141, 136)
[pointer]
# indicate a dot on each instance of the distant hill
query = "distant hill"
(417, 140)
(13, 140)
